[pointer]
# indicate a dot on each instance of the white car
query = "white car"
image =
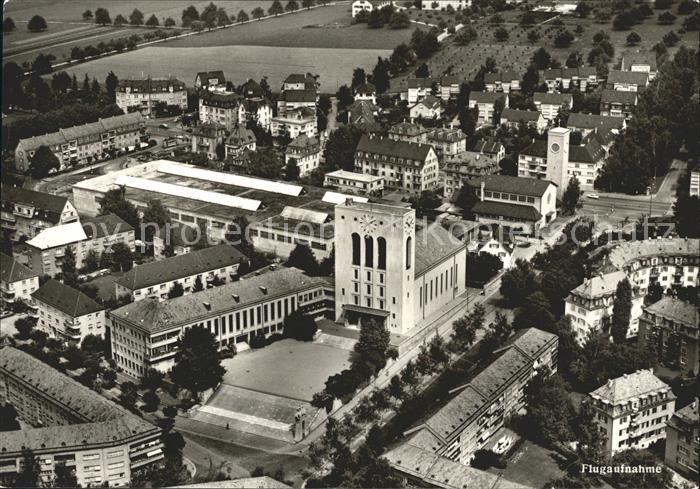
(593, 196)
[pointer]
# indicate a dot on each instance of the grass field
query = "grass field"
(287, 368)
(239, 63)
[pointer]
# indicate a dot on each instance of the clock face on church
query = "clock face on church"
(368, 224)
(409, 224)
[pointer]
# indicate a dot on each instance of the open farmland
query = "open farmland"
(238, 62)
(67, 29)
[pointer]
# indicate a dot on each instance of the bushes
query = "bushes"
(300, 326)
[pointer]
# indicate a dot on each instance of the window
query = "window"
(409, 253)
(369, 251)
(356, 249)
(381, 253)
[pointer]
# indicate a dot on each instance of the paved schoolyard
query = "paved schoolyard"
(288, 368)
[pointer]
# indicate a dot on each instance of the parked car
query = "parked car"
(164, 126)
(593, 196)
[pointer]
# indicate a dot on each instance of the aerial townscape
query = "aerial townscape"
(443, 244)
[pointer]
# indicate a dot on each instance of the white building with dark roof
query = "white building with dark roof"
(143, 95)
(67, 314)
(145, 333)
(486, 103)
(428, 108)
(296, 99)
(447, 141)
(28, 212)
(628, 81)
(632, 411)
(512, 118)
(642, 62)
(295, 122)
(210, 80)
(683, 445)
(503, 81)
(354, 183)
(366, 91)
(305, 151)
(583, 78)
(606, 127)
(368, 5)
(17, 282)
(618, 103)
(551, 104)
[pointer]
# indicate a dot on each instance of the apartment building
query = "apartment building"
(527, 204)
(551, 104)
(513, 118)
(233, 313)
(144, 95)
(583, 78)
(486, 103)
(617, 103)
(592, 301)
(210, 80)
(294, 226)
(69, 425)
(628, 81)
(444, 4)
(559, 161)
(503, 81)
(296, 99)
(683, 445)
(632, 411)
(405, 166)
(466, 166)
(447, 141)
(28, 212)
(305, 151)
(231, 109)
(294, 123)
(90, 142)
(67, 314)
(606, 127)
(488, 147)
(354, 183)
(17, 282)
(469, 420)
(428, 108)
(206, 137)
(216, 264)
(419, 88)
(409, 132)
(671, 326)
(694, 185)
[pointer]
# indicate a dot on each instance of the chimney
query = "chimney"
(263, 289)
(206, 305)
(236, 297)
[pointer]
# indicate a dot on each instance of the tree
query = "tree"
(381, 76)
(276, 8)
(155, 218)
(465, 328)
(177, 290)
(197, 366)
(136, 17)
(198, 286)
(484, 459)
(563, 39)
(291, 169)
(87, 15)
(370, 351)
(292, 6)
(30, 473)
(152, 379)
(24, 327)
(501, 34)
(571, 196)
(622, 311)
(670, 39)
(482, 268)
(535, 312)
(623, 21)
(242, 16)
(303, 258)
(8, 25)
(122, 256)
(518, 282)
(128, 395)
(549, 409)
(299, 326)
(533, 37)
(633, 39)
(222, 17)
(542, 59)
(574, 60)
(667, 18)
(120, 20)
(37, 24)
(465, 36)
(258, 13)
(68, 268)
(399, 20)
(111, 83)
(189, 15)
(114, 202)
(43, 162)
(531, 79)
(424, 43)
(639, 458)
(685, 213)
(359, 77)
(102, 16)
(339, 152)
(152, 21)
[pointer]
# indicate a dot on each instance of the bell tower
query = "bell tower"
(558, 157)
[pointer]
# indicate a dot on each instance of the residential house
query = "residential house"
(354, 183)
(83, 144)
(405, 166)
(551, 104)
(632, 411)
(499, 248)
(504, 81)
(233, 313)
(363, 115)
(17, 282)
(366, 91)
(582, 78)
(418, 89)
(486, 103)
(694, 184)
(297, 81)
(210, 80)
(628, 81)
(409, 132)
(447, 141)
(28, 212)
(527, 204)
(305, 152)
(103, 232)
(617, 103)
(513, 118)
(449, 87)
(683, 445)
(66, 313)
(671, 327)
(645, 63)
(175, 239)
(231, 109)
(428, 108)
(607, 127)
(558, 161)
(290, 100)
(444, 4)
(488, 147)
(295, 122)
(144, 95)
(207, 137)
(155, 279)
(239, 141)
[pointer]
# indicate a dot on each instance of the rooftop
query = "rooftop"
(534, 187)
(686, 416)
(486, 146)
(240, 136)
(366, 89)
(629, 387)
(408, 129)
(430, 102)
(292, 96)
(217, 75)
(446, 134)
(58, 236)
(391, 147)
(485, 97)
(433, 245)
(151, 85)
(624, 253)
(153, 315)
(503, 76)
(507, 210)
(618, 97)
(600, 285)
(553, 98)
(392, 210)
(106, 225)
(515, 115)
(66, 299)
(604, 123)
(101, 421)
(589, 152)
(263, 482)
(676, 310)
(350, 175)
(13, 271)
(628, 77)
(181, 266)
(47, 207)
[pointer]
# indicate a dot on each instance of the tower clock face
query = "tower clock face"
(555, 147)
(368, 224)
(409, 224)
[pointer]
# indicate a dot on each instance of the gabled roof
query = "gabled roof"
(390, 147)
(639, 59)
(430, 102)
(305, 215)
(601, 285)
(366, 89)
(676, 310)
(433, 245)
(153, 85)
(553, 98)
(299, 78)
(638, 78)
(302, 141)
(407, 129)
(13, 271)
(515, 115)
(446, 134)
(526, 213)
(628, 251)
(205, 76)
(251, 89)
(631, 386)
(603, 123)
(47, 207)
(485, 97)
(209, 129)
(502, 76)
(66, 299)
(307, 96)
(489, 146)
(181, 266)
(618, 97)
(533, 187)
(537, 148)
(420, 82)
(58, 236)
(106, 225)
(240, 136)
(589, 152)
